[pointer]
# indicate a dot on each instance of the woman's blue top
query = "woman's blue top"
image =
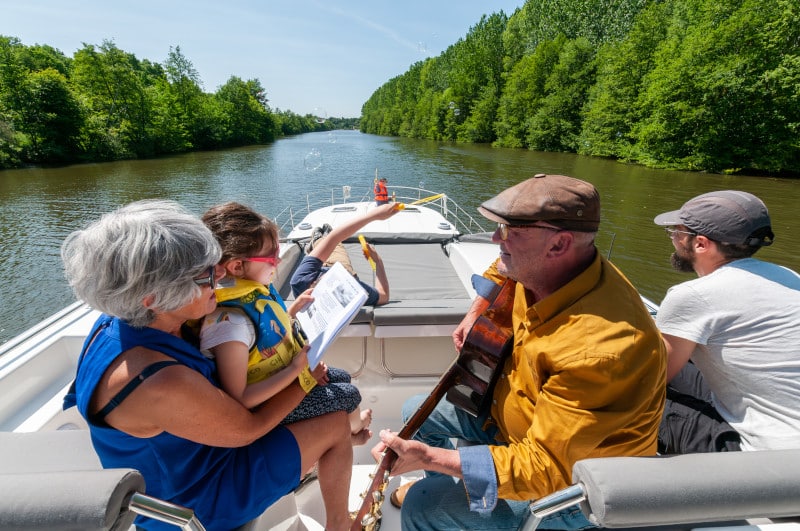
(226, 487)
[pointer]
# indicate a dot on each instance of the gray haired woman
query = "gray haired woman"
(152, 400)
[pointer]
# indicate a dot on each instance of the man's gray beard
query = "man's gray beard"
(681, 264)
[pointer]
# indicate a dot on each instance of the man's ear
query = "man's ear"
(561, 243)
(702, 244)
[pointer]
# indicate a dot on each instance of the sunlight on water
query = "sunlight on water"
(313, 160)
(41, 206)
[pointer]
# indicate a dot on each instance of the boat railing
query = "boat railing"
(287, 218)
(446, 206)
(63, 317)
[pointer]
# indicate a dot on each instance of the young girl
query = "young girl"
(251, 333)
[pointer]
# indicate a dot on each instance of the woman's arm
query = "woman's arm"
(181, 401)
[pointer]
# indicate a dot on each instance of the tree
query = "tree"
(556, 124)
(115, 93)
(244, 106)
(713, 101)
(523, 92)
(51, 117)
(612, 108)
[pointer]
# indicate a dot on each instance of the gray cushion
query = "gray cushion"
(421, 312)
(645, 491)
(423, 286)
(53, 480)
(77, 500)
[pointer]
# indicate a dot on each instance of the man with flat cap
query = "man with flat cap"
(584, 378)
(738, 323)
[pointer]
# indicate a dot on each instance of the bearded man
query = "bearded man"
(732, 334)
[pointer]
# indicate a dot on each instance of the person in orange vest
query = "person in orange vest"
(381, 193)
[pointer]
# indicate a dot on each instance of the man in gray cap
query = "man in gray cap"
(739, 323)
(584, 378)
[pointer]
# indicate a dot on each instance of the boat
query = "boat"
(52, 479)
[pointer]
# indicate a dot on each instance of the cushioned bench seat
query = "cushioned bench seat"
(682, 491)
(424, 288)
(53, 480)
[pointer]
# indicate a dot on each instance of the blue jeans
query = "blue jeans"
(439, 502)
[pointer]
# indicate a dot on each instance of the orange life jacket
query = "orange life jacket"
(381, 193)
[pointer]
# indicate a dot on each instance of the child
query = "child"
(313, 265)
(251, 333)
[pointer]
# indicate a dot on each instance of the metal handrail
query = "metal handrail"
(164, 511)
(449, 209)
(551, 504)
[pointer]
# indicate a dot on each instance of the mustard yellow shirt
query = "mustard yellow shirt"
(586, 378)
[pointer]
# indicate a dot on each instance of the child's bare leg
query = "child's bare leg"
(359, 426)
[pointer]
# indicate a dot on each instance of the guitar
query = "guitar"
(467, 384)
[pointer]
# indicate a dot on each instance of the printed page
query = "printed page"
(337, 299)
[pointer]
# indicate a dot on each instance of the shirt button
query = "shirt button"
(494, 402)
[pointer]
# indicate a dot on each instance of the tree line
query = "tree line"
(710, 85)
(106, 104)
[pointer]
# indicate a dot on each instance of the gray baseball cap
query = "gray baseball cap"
(727, 216)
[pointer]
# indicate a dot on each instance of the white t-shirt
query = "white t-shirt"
(224, 325)
(745, 318)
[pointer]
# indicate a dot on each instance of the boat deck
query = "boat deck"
(393, 352)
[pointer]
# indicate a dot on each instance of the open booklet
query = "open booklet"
(337, 299)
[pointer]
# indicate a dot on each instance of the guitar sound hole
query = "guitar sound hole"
(479, 370)
(465, 398)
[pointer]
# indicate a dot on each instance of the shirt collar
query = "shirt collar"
(569, 293)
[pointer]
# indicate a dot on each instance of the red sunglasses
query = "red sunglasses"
(271, 260)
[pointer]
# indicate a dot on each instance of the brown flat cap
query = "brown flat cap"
(562, 201)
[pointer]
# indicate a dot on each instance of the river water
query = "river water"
(39, 207)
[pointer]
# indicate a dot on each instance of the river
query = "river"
(39, 207)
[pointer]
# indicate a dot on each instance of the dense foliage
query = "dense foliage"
(105, 104)
(709, 85)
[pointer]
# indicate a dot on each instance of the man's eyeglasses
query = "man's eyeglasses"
(271, 260)
(672, 231)
(503, 228)
(210, 280)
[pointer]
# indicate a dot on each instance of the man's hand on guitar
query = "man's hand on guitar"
(461, 332)
(415, 455)
(410, 454)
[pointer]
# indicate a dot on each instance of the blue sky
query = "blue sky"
(311, 56)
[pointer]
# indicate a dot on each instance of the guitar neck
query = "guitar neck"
(368, 516)
(369, 513)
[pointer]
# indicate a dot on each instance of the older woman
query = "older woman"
(152, 399)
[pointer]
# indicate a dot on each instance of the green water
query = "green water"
(39, 207)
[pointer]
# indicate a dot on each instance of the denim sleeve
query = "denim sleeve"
(307, 272)
(480, 480)
(372, 294)
(483, 286)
